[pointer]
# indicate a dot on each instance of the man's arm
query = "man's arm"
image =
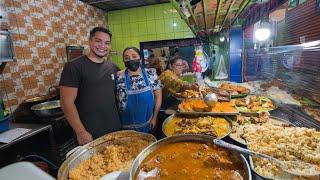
(157, 98)
(67, 98)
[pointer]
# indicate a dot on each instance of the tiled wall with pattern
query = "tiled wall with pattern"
(148, 23)
(41, 30)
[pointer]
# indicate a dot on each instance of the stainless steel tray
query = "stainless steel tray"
(284, 176)
(219, 97)
(254, 170)
(168, 119)
(271, 117)
(96, 146)
(208, 113)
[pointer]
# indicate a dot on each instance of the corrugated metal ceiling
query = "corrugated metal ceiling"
(110, 5)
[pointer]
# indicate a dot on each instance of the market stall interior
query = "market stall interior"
(245, 72)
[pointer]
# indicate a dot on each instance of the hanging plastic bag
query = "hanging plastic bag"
(205, 63)
(221, 72)
(200, 61)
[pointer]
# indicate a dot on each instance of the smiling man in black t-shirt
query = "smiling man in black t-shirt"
(87, 88)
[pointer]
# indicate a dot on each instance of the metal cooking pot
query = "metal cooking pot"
(47, 109)
(182, 138)
(53, 94)
(43, 98)
(24, 114)
(98, 145)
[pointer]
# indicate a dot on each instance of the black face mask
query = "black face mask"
(133, 65)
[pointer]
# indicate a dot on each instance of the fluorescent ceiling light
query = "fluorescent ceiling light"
(3, 36)
(222, 38)
(262, 34)
(311, 44)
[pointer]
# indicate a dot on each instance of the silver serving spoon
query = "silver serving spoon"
(298, 168)
(211, 99)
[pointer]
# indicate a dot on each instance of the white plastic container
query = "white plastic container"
(22, 171)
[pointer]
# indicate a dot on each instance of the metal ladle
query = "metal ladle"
(211, 99)
(292, 167)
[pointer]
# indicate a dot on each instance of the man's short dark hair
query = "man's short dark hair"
(100, 29)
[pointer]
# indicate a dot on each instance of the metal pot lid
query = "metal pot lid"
(37, 98)
(46, 105)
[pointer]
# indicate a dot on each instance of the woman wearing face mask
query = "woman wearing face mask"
(138, 93)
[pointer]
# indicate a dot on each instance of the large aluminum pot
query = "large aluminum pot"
(47, 109)
(182, 138)
(96, 146)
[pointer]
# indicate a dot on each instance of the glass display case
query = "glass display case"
(286, 66)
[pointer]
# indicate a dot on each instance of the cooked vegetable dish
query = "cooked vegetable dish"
(254, 104)
(188, 94)
(213, 126)
(198, 105)
(241, 122)
(234, 89)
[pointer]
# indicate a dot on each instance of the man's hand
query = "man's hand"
(153, 123)
(84, 137)
(67, 98)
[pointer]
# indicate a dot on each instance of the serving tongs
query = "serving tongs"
(298, 168)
